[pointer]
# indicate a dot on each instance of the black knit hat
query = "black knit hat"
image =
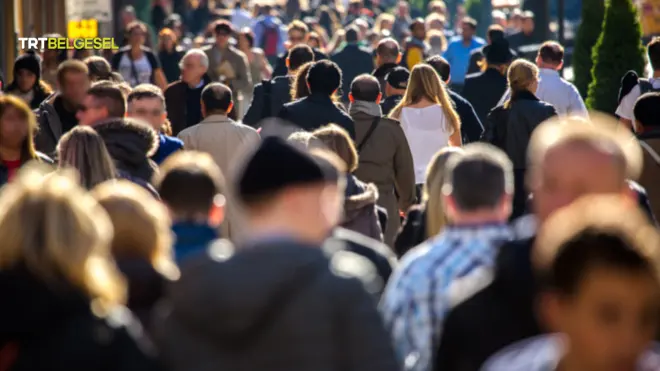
(498, 52)
(30, 62)
(276, 165)
(398, 77)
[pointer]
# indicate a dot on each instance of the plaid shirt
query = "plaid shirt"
(417, 296)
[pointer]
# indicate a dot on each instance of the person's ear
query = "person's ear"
(449, 206)
(551, 308)
(231, 107)
(350, 97)
(448, 80)
(217, 212)
(203, 109)
(561, 65)
(164, 116)
(379, 98)
(398, 58)
(288, 63)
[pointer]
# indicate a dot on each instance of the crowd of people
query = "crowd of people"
(332, 188)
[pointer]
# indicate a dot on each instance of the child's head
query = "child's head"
(647, 110)
(603, 291)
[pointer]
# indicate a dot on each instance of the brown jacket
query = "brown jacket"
(386, 161)
(650, 178)
(230, 67)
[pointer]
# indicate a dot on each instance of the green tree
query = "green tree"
(618, 50)
(593, 12)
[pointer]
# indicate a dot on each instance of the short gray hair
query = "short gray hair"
(479, 177)
(203, 58)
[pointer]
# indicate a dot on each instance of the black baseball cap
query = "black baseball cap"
(398, 77)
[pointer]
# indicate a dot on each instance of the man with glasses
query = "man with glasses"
(297, 33)
(146, 102)
(104, 100)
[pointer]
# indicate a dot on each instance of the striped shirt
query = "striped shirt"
(417, 299)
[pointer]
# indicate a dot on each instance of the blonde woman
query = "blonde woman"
(427, 219)
(428, 118)
(62, 293)
(510, 126)
(142, 242)
(83, 149)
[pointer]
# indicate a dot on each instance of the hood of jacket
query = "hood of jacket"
(33, 308)
(230, 298)
(130, 143)
(358, 196)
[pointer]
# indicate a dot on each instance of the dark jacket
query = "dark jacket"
(477, 55)
(650, 177)
(192, 239)
(170, 63)
(360, 209)
(280, 94)
(51, 127)
(353, 60)
(471, 127)
(145, 287)
(484, 90)
(167, 145)
(388, 104)
(130, 144)
(412, 232)
(4, 172)
(315, 111)
(273, 305)
(55, 329)
(282, 70)
(176, 98)
(511, 128)
(381, 73)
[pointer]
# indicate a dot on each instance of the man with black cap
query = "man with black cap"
(384, 153)
(279, 300)
(396, 83)
(484, 89)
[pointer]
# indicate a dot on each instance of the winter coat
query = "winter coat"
(273, 305)
(412, 232)
(386, 161)
(471, 127)
(280, 94)
(53, 328)
(50, 126)
(650, 177)
(315, 111)
(167, 145)
(360, 209)
(130, 144)
(145, 287)
(484, 90)
(381, 73)
(388, 104)
(353, 60)
(192, 239)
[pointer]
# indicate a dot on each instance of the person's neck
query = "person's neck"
(397, 93)
(547, 66)
(195, 83)
(68, 105)
(10, 154)
(277, 225)
(215, 113)
(467, 41)
(221, 47)
(477, 218)
(193, 219)
(136, 51)
(385, 63)
(656, 74)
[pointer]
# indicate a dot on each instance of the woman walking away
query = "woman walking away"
(27, 83)
(427, 219)
(428, 119)
(142, 243)
(510, 125)
(17, 130)
(62, 293)
(83, 149)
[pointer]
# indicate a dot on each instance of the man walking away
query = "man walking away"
(271, 95)
(471, 127)
(384, 154)
(477, 189)
(278, 300)
(353, 60)
(183, 96)
(388, 56)
(396, 83)
(318, 109)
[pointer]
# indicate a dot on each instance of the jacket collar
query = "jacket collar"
(319, 97)
(215, 118)
(523, 95)
(384, 69)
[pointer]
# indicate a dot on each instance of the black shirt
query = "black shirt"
(193, 106)
(67, 118)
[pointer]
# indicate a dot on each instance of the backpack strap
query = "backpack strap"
(268, 89)
(374, 123)
(654, 155)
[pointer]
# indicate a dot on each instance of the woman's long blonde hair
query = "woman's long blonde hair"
(83, 149)
(520, 76)
(425, 83)
(432, 195)
(141, 224)
(50, 225)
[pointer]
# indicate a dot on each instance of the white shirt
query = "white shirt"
(563, 95)
(625, 109)
(427, 131)
(142, 70)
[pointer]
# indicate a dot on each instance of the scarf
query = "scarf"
(370, 108)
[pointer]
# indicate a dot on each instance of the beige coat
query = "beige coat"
(227, 142)
(386, 161)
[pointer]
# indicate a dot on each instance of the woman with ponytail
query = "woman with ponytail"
(428, 118)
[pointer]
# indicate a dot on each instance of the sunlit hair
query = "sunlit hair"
(425, 83)
(60, 234)
(432, 195)
(166, 32)
(381, 19)
(520, 76)
(337, 140)
(9, 102)
(84, 150)
(141, 225)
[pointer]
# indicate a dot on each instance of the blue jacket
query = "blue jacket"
(192, 238)
(167, 146)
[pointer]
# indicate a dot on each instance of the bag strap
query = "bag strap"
(370, 132)
(133, 69)
(268, 88)
(654, 155)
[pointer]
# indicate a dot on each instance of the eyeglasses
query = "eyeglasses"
(145, 112)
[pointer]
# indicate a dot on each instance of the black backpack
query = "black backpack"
(630, 80)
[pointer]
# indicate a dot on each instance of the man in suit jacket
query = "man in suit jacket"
(354, 60)
(298, 33)
(268, 104)
(226, 63)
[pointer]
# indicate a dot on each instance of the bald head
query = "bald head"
(388, 51)
(365, 88)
